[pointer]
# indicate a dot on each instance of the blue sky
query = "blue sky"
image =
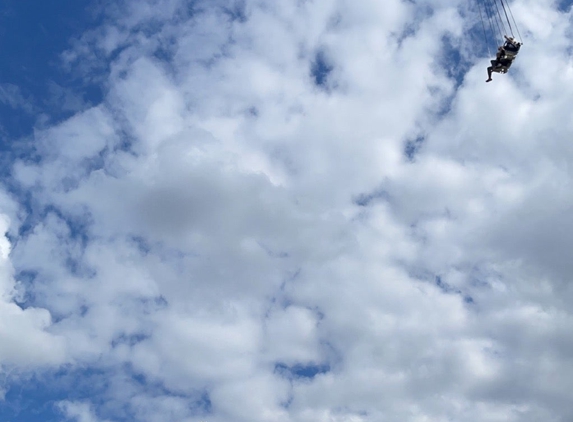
(33, 37)
(36, 398)
(283, 212)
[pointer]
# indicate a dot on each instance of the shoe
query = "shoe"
(489, 80)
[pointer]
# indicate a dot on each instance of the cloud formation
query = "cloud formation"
(299, 211)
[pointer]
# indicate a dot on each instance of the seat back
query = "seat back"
(510, 54)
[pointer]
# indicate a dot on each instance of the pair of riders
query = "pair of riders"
(504, 57)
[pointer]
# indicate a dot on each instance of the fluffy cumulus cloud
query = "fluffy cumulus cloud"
(299, 211)
(37, 347)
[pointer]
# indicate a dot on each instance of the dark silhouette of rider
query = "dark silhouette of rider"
(504, 57)
(501, 63)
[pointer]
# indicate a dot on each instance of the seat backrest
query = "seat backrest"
(510, 54)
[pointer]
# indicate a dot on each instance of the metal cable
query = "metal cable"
(484, 31)
(514, 23)
(507, 17)
(501, 21)
(494, 18)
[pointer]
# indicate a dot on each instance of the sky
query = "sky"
(284, 211)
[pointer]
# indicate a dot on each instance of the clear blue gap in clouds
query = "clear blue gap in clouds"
(370, 198)
(412, 146)
(564, 5)
(301, 370)
(320, 69)
(33, 34)
(35, 399)
(446, 288)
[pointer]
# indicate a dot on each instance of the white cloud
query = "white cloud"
(25, 339)
(12, 96)
(78, 411)
(220, 222)
(292, 336)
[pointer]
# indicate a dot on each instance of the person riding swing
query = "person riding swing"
(504, 57)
